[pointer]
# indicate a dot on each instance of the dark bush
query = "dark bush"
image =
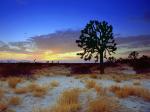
(81, 69)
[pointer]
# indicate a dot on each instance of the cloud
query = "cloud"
(58, 42)
(61, 46)
(17, 47)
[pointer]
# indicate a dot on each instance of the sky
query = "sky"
(47, 29)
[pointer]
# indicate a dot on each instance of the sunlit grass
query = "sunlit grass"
(67, 102)
(14, 100)
(20, 90)
(102, 104)
(54, 83)
(90, 84)
(37, 90)
(126, 91)
(1, 93)
(13, 81)
(3, 106)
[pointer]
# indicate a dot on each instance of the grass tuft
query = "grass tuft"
(13, 81)
(90, 84)
(15, 100)
(3, 107)
(20, 90)
(126, 91)
(102, 104)
(37, 90)
(67, 102)
(54, 83)
(1, 93)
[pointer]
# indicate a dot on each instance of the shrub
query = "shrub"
(80, 69)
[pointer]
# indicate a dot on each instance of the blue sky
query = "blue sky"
(20, 19)
(47, 29)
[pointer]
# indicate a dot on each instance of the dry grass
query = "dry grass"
(123, 92)
(3, 107)
(15, 100)
(1, 93)
(94, 76)
(90, 84)
(20, 90)
(54, 70)
(103, 104)
(13, 81)
(54, 83)
(37, 90)
(67, 102)
(114, 88)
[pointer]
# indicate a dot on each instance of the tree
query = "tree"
(96, 40)
(133, 55)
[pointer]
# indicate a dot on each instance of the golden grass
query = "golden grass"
(90, 84)
(3, 107)
(1, 93)
(102, 104)
(13, 81)
(22, 90)
(54, 83)
(123, 92)
(37, 90)
(67, 102)
(94, 76)
(55, 70)
(15, 100)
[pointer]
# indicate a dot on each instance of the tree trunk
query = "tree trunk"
(101, 63)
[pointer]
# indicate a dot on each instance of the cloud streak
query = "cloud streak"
(61, 46)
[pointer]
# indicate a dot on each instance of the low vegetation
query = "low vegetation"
(54, 83)
(22, 90)
(103, 104)
(126, 91)
(67, 102)
(1, 93)
(90, 84)
(37, 90)
(15, 100)
(13, 81)
(3, 107)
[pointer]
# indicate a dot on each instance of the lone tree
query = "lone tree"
(97, 40)
(133, 55)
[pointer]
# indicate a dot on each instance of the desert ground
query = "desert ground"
(56, 89)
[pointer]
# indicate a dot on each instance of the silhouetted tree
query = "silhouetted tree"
(133, 55)
(96, 40)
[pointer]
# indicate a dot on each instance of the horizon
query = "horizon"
(46, 30)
